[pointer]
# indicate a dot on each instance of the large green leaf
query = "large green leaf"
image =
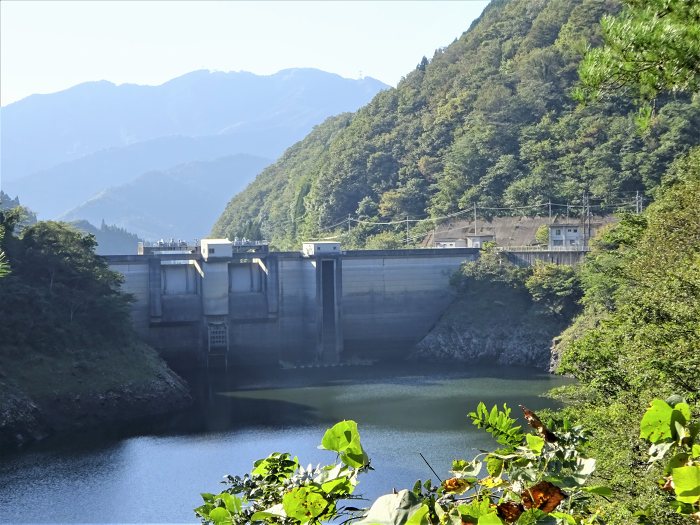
(304, 504)
(475, 510)
(220, 515)
(662, 422)
(344, 439)
(687, 484)
(234, 504)
(535, 443)
(338, 485)
(656, 423)
(420, 517)
(490, 519)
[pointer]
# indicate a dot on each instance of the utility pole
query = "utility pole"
(406, 231)
(550, 210)
(475, 218)
(586, 217)
(638, 203)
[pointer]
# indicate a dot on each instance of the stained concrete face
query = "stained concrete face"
(285, 307)
(390, 303)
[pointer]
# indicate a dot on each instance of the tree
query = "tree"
(4, 265)
(650, 47)
(556, 288)
(60, 291)
(542, 234)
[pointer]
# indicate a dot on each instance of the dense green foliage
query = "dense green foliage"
(521, 483)
(280, 490)
(639, 335)
(489, 120)
(549, 290)
(673, 435)
(59, 294)
(650, 47)
(68, 355)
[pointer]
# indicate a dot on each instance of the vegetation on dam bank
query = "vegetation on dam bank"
(41, 395)
(630, 316)
(68, 356)
(503, 313)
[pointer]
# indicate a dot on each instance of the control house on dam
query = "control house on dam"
(241, 304)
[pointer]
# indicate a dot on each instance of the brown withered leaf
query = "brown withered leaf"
(455, 485)
(668, 485)
(509, 511)
(535, 423)
(543, 495)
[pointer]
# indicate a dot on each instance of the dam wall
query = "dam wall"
(287, 306)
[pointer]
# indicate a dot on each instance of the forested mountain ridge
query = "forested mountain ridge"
(489, 120)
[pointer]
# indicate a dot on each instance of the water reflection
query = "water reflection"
(153, 470)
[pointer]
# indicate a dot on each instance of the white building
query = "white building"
(566, 235)
(450, 243)
(311, 249)
(477, 241)
(213, 248)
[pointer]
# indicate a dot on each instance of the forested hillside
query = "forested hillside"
(68, 355)
(489, 120)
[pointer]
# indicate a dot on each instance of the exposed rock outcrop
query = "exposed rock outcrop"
(491, 331)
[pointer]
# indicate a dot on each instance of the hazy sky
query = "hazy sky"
(46, 46)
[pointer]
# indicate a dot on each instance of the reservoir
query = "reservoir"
(153, 471)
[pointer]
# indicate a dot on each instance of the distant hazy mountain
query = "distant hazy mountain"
(180, 203)
(111, 240)
(66, 186)
(41, 131)
(58, 150)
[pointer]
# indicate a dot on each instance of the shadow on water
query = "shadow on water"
(379, 394)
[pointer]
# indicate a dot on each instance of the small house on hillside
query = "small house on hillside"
(477, 241)
(569, 235)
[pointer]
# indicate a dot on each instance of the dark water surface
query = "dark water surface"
(153, 471)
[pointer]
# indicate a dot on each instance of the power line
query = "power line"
(586, 205)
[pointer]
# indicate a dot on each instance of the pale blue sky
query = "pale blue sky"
(46, 46)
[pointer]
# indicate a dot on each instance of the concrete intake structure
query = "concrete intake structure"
(268, 307)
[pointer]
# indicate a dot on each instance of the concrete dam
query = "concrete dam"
(321, 305)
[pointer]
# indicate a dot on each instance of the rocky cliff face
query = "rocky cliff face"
(493, 331)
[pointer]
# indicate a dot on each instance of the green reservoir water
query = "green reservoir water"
(153, 471)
